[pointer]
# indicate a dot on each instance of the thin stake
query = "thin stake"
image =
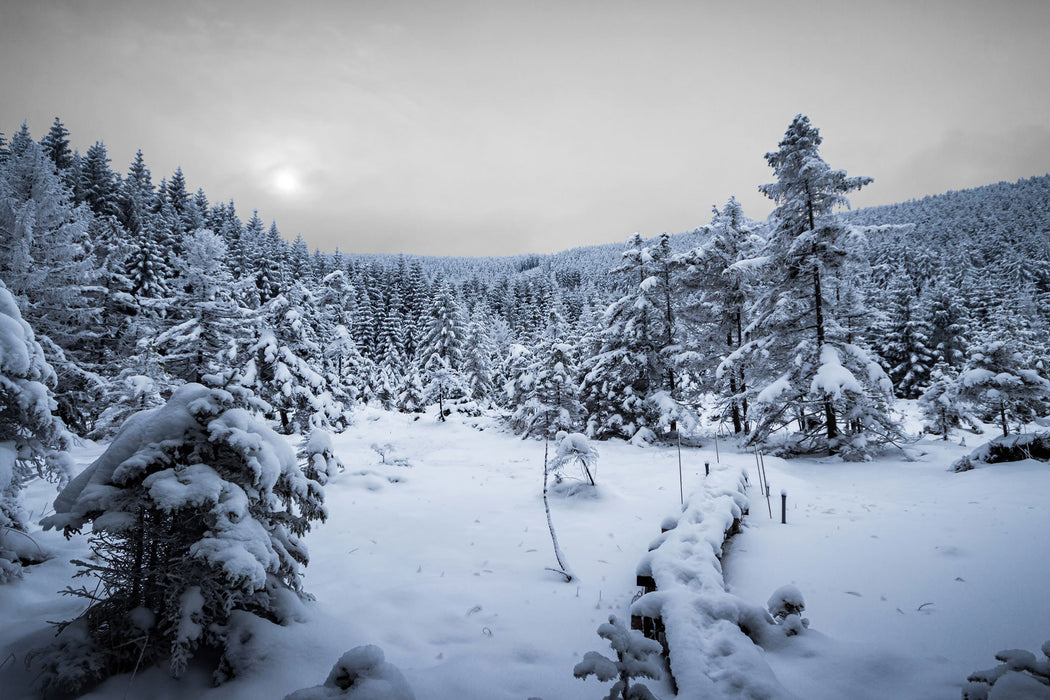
(769, 506)
(681, 486)
(717, 458)
(758, 468)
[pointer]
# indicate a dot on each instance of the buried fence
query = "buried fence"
(709, 636)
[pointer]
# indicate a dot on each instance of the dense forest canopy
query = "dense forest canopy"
(134, 286)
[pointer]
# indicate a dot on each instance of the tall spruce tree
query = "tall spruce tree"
(805, 368)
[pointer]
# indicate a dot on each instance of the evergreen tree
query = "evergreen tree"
(32, 441)
(947, 328)
(197, 510)
(46, 263)
(629, 367)
(998, 381)
(410, 397)
(445, 336)
(56, 146)
(548, 395)
(98, 184)
(443, 385)
(282, 369)
(904, 341)
(804, 367)
(478, 357)
(941, 405)
(206, 342)
(718, 295)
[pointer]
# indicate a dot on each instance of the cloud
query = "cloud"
(966, 158)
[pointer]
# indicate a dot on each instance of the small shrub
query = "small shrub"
(636, 657)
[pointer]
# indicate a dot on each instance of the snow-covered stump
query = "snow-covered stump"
(707, 633)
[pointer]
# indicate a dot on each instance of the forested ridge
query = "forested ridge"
(134, 287)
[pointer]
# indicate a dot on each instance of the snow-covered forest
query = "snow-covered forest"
(213, 370)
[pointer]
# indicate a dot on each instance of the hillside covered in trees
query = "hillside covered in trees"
(134, 287)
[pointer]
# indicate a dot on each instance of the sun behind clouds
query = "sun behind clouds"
(285, 181)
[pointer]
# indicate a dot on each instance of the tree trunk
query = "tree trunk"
(737, 428)
(670, 325)
(818, 301)
(1002, 416)
(743, 386)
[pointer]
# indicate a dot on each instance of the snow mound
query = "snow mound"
(1013, 448)
(360, 674)
(711, 635)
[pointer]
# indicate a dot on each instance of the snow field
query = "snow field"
(913, 577)
(443, 569)
(440, 561)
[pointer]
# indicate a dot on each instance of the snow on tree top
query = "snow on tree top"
(832, 378)
(167, 422)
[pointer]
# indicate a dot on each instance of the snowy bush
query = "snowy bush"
(32, 441)
(196, 508)
(786, 606)
(360, 674)
(1020, 676)
(573, 448)
(319, 461)
(410, 394)
(636, 657)
(941, 405)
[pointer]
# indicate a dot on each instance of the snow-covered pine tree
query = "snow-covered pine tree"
(318, 458)
(998, 381)
(443, 386)
(282, 369)
(804, 369)
(947, 323)
(46, 263)
(629, 366)
(197, 509)
(442, 350)
(478, 357)
(206, 342)
(410, 393)
(99, 185)
(125, 395)
(32, 441)
(636, 657)
(347, 372)
(385, 392)
(717, 296)
(904, 340)
(547, 392)
(56, 146)
(942, 409)
(444, 334)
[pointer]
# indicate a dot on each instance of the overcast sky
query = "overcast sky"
(488, 127)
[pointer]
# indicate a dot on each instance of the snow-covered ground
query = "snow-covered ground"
(913, 576)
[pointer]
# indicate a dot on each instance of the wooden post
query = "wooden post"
(783, 507)
(707, 469)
